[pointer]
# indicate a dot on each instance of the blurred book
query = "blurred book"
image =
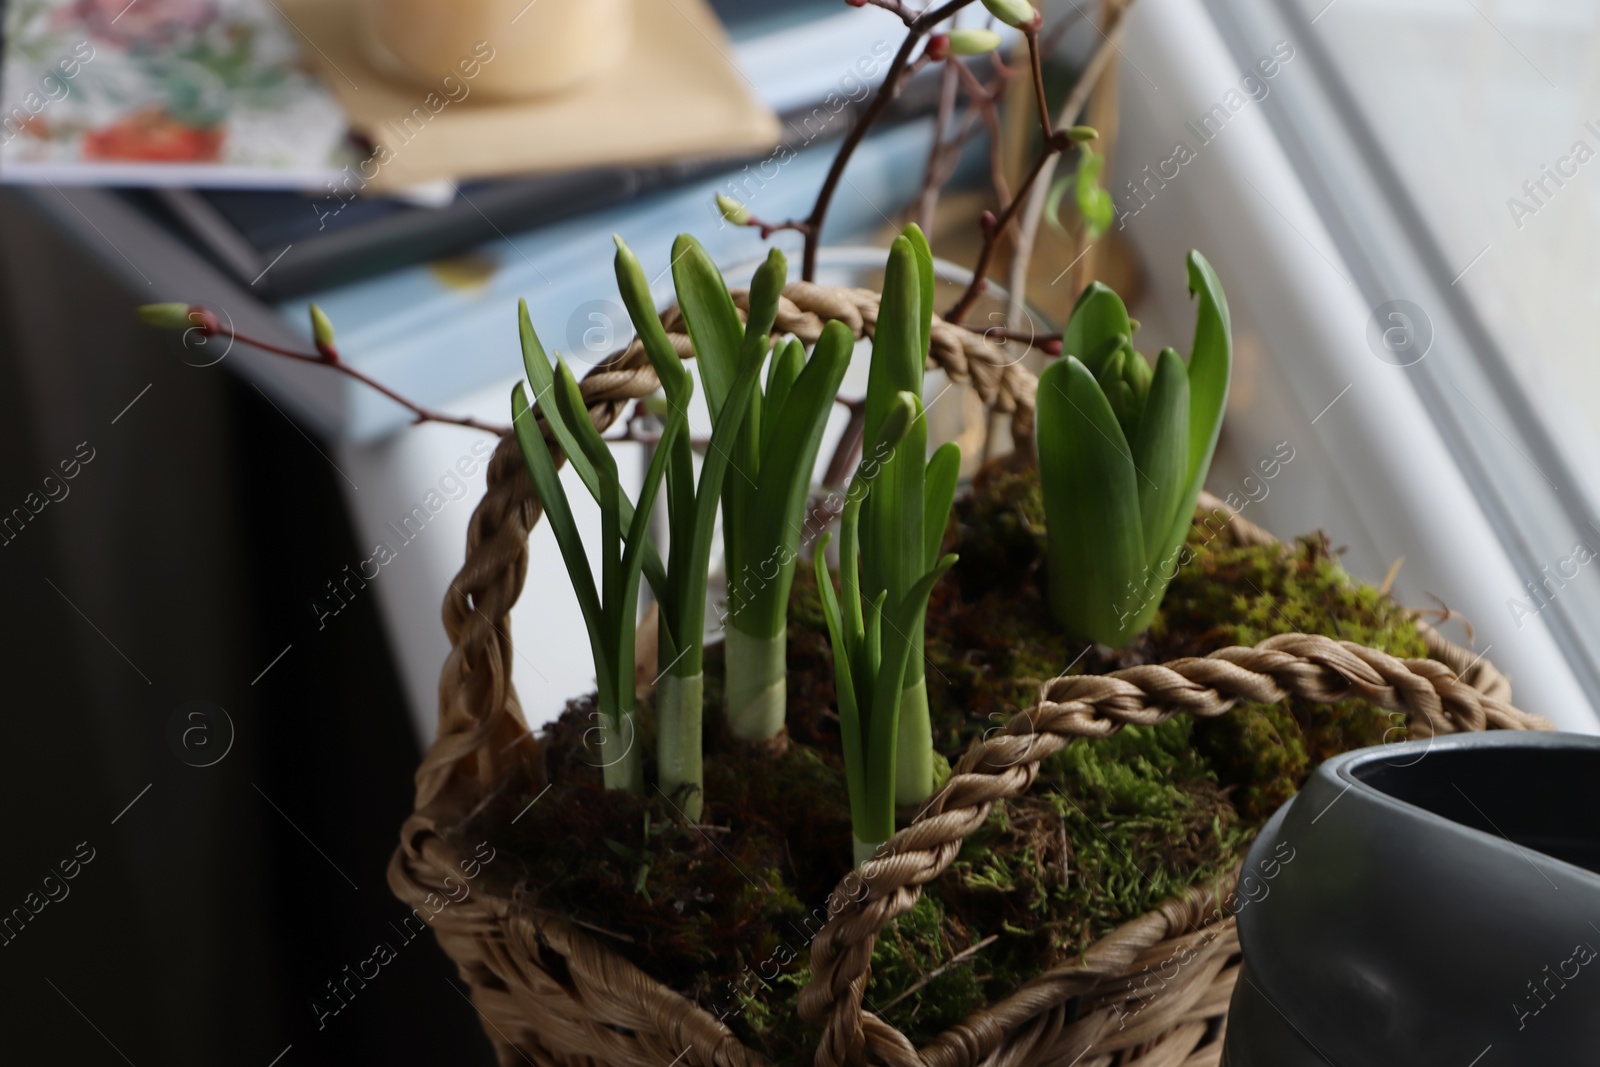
(162, 92)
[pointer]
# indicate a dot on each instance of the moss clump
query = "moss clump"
(920, 979)
(990, 641)
(1231, 595)
(725, 911)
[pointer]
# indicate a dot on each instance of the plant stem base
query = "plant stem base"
(757, 680)
(678, 718)
(913, 758)
(620, 758)
(864, 850)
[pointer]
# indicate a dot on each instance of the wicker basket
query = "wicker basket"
(550, 994)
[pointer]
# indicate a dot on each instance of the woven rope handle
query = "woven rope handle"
(479, 718)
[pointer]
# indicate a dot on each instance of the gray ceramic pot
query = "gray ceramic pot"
(1436, 902)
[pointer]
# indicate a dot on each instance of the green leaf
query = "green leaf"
(1091, 498)
(776, 508)
(899, 417)
(871, 650)
(849, 563)
(1210, 367)
(637, 540)
(680, 510)
(732, 432)
(765, 289)
(718, 458)
(711, 318)
(679, 387)
(939, 493)
(565, 400)
(786, 364)
(897, 365)
(1052, 204)
(883, 725)
(1161, 453)
(558, 513)
(891, 527)
(676, 381)
(1094, 203)
(1098, 316)
(541, 374)
(925, 283)
(851, 736)
(569, 402)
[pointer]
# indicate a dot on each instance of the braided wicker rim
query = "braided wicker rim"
(551, 994)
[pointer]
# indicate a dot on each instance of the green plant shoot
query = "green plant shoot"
(873, 645)
(1123, 453)
(773, 453)
(903, 519)
(692, 506)
(610, 610)
(1095, 206)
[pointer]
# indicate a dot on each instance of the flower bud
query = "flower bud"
(166, 316)
(1080, 134)
(733, 210)
(938, 46)
(972, 42)
(322, 334)
(1018, 13)
(1051, 347)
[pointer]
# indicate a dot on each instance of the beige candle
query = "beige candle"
(519, 48)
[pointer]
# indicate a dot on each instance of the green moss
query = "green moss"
(725, 912)
(1232, 595)
(914, 981)
(1147, 817)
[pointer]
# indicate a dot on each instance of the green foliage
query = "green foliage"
(1094, 203)
(774, 453)
(691, 506)
(609, 611)
(903, 520)
(872, 647)
(1123, 453)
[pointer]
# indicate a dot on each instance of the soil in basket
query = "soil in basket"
(725, 911)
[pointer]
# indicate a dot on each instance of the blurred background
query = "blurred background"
(1400, 197)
